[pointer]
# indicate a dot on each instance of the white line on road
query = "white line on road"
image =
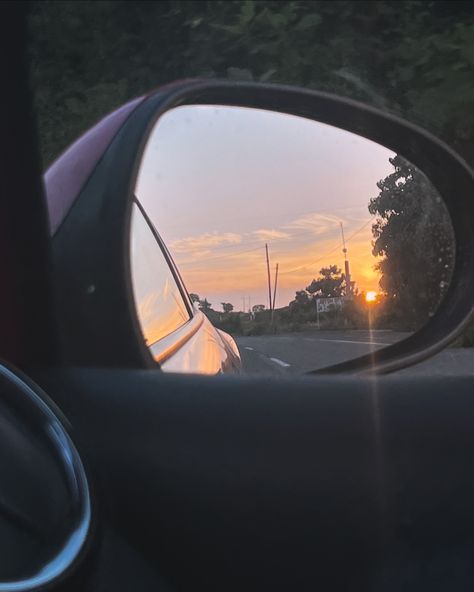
(280, 362)
(249, 348)
(347, 341)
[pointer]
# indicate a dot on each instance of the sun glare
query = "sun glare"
(371, 296)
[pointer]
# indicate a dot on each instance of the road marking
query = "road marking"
(249, 348)
(347, 341)
(280, 362)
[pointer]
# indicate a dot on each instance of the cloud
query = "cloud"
(316, 223)
(199, 254)
(202, 242)
(265, 234)
(245, 272)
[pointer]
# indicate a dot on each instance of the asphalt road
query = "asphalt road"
(297, 353)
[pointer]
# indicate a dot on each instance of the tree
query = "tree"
(194, 297)
(227, 307)
(301, 303)
(414, 237)
(89, 57)
(301, 297)
(330, 283)
(204, 305)
(256, 308)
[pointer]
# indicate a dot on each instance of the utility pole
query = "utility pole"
(275, 288)
(346, 264)
(269, 279)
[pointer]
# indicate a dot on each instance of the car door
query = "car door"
(322, 482)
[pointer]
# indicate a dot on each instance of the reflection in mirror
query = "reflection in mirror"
(159, 303)
(308, 244)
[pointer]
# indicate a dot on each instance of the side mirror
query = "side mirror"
(200, 152)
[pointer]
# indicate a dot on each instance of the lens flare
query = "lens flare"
(371, 296)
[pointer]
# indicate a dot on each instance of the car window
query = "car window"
(158, 299)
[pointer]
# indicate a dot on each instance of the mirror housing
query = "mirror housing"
(96, 315)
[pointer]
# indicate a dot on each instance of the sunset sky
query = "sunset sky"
(220, 182)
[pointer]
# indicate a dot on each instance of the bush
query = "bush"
(230, 322)
(254, 329)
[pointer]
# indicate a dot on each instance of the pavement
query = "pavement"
(298, 353)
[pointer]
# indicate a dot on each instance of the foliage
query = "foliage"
(301, 298)
(194, 297)
(330, 283)
(300, 309)
(256, 308)
(413, 234)
(205, 306)
(230, 323)
(412, 57)
(227, 307)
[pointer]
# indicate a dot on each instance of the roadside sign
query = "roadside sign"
(329, 304)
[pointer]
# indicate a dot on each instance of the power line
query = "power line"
(361, 228)
(314, 262)
(224, 256)
(256, 241)
(328, 252)
(262, 246)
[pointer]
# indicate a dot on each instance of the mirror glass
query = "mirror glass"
(308, 244)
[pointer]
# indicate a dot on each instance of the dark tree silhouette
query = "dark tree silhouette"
(330, 283)
(205, 305)
(413, 235)
(227, 307)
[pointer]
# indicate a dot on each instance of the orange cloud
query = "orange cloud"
(298, 262)
(209, 239)
(267, 234)
(315, 222)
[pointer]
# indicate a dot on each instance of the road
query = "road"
(297, 353)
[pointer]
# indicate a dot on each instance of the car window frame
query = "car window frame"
(181, 330)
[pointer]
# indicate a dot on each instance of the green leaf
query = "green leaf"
(232, 29)
(276, 19)
(247, 13)
(310, 21)
(406, 73)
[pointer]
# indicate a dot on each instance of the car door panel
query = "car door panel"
(274, 484)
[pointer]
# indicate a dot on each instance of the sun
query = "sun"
(371, 296)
